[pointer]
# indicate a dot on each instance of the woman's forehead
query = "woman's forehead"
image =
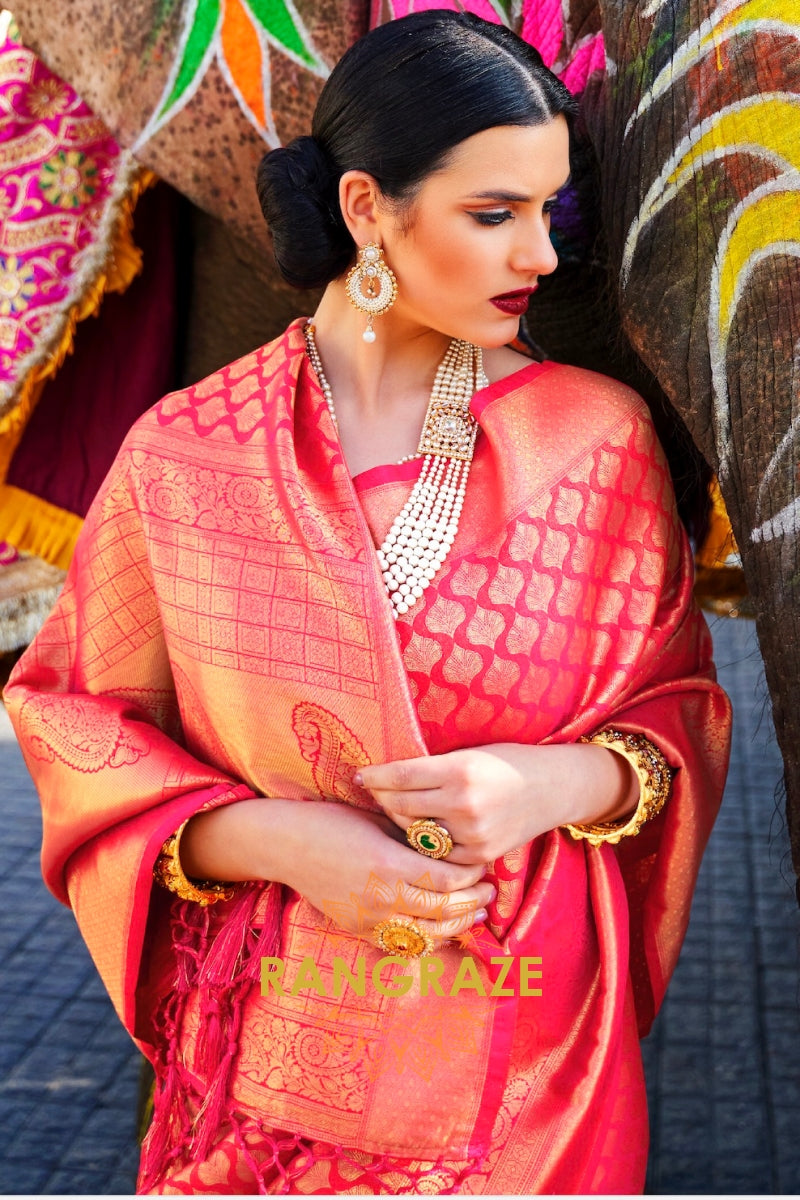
(524, 159)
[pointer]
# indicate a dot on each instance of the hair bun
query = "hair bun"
(298, 188)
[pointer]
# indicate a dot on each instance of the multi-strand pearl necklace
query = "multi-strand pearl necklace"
(422, 534)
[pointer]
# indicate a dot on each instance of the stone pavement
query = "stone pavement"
(723, 1061)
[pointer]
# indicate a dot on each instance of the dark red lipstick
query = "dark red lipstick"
(514, 303)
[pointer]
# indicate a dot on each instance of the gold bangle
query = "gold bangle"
(655, 784)
(170, 874)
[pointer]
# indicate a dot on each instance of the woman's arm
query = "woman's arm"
(332, 854)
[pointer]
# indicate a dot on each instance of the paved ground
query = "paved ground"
(723, 1061)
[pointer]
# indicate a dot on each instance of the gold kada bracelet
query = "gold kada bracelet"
(170, 874)
(655, 780)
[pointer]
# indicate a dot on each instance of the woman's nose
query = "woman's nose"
(535, 252)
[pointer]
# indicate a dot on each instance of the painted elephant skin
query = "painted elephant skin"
(697, 131)
(693, 111)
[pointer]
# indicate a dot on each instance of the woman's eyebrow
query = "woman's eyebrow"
(508, 197)
(513, 197)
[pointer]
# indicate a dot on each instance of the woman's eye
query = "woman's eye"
(492, 218)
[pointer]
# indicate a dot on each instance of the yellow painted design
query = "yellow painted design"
(773, 218)
(730, 20)
(764, 126)
(749, 11)
(767, 124)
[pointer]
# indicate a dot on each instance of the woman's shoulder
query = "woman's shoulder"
(562, 387)
(234, 402)
(504, 363)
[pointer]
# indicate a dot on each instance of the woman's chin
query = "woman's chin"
(500, 334)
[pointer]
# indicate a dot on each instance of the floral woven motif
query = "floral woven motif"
(60, 175)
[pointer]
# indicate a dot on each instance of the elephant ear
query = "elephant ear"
(698, 122)
(199, 89)
(238, 34)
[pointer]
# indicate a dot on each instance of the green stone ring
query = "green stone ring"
(426, 836)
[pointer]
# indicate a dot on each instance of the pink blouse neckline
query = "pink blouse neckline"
(409, 471)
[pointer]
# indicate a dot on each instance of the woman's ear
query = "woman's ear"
(358, 199)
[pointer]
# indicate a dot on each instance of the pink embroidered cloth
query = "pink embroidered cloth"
(58, 179)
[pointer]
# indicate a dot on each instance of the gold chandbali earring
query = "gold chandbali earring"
(421, 536)
(371, 286)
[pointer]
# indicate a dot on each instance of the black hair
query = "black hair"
(397, 102)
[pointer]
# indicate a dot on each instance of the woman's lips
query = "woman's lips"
(514, 303)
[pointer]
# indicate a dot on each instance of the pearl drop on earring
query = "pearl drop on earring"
(371, 286)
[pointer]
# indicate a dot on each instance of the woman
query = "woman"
(287, 594)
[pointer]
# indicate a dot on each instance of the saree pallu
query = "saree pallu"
(224, 633)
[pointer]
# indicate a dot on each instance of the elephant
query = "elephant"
(680, 235)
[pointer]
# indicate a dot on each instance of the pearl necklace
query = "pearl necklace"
(422, 534)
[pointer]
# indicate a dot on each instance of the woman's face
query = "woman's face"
(469, 251)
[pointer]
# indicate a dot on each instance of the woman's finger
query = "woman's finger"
(405, 775)
(419, 902)
(450, 926)
(462, 855)
(404, 810)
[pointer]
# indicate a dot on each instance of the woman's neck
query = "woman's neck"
(380, 389)
(372, 378)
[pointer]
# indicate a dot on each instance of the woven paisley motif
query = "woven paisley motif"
(83, 735)
(335, 753)
(303, 1061)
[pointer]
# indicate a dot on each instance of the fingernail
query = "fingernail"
(480, 916)
(493, 896)
(357, 780)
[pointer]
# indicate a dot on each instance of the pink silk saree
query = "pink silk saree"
(224, 633)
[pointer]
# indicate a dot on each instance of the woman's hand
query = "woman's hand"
(495, 798)
(352, 865)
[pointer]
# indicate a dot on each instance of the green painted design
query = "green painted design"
(427, 841)
(282, 26)
(197, 43)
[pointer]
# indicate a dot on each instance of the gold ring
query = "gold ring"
(428, 837)
(402, 938)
